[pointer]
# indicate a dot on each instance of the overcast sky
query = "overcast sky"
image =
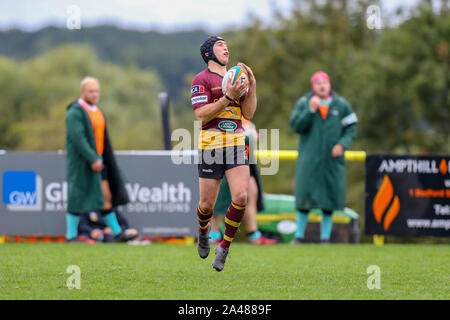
(164, 15)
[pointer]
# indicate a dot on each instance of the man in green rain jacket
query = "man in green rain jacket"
(93, 177)
(327, 126)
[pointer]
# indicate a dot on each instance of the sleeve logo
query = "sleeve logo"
(197, 90)
(199, 99)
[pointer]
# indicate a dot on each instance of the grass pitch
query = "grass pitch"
(171, 272)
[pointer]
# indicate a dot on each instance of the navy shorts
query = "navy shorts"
(214, 162)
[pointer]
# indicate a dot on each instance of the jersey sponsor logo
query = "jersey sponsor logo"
(231, 110)
(197, 90)
(227, 125)
(199, 99)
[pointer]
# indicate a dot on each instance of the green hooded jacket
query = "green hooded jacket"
(320, 179)
(84, 184)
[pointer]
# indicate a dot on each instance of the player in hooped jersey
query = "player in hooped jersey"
(221, 143)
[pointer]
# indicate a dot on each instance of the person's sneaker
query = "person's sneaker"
(123, 237)
(203, 245)
(215, 237)
(81, 239)
(296, 241)
(219, 260)
(261, 241)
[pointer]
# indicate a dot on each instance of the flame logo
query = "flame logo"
(383, 198)
(443, 167)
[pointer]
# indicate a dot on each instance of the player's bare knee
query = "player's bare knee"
(240, 198)
(206, 206)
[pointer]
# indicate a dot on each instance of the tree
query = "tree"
(36, 92)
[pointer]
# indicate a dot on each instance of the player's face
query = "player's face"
(221, 51)
(91, 92)
(322, 88)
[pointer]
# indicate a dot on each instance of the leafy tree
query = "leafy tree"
(36, 92)
(172, 55)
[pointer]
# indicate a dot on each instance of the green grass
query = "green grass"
(159, 271)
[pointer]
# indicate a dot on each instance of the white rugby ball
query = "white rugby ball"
(236, 74)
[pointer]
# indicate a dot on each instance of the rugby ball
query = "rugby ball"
(236, 74)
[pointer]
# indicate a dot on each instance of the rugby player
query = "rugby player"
(222, 143)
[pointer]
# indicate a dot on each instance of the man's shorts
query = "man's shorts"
(214, 162)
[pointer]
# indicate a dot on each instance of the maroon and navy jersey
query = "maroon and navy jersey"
(226, 129)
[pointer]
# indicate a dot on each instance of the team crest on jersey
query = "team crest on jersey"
(197, 89)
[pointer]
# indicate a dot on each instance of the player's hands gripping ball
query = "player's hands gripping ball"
(235, 82)
(251, 76)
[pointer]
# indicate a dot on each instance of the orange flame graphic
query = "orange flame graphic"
(443, 167)
(381, 202)
(383, 198)
(392, 213)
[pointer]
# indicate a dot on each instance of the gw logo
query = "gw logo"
(22, 191)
